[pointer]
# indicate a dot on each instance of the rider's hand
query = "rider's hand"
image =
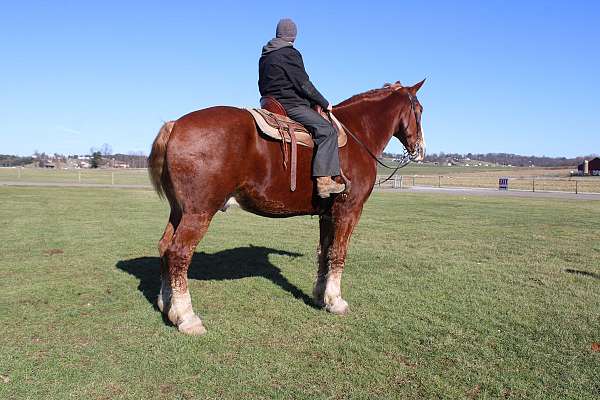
(329, 107)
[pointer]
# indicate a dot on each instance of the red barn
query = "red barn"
(593, 167)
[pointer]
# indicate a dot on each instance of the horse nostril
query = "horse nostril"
(419, 153)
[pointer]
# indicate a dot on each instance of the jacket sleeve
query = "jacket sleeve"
(294, 67)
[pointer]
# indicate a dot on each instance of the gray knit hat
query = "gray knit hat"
(286, 30)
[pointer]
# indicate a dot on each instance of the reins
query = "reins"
(404, 161)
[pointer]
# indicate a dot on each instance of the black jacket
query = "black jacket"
(281, 74)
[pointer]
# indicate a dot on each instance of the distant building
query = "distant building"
(591, 167)
(119, 164)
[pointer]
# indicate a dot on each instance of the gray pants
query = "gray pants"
(326, 161)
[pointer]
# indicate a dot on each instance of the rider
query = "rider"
(283, 77)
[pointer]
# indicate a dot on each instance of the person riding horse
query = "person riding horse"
(283, 77)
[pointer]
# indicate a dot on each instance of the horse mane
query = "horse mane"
(372, 94)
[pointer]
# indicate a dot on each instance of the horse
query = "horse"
(207, 157)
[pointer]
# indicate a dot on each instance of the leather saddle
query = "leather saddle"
(272, 121)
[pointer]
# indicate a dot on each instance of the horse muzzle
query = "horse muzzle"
(419, 153)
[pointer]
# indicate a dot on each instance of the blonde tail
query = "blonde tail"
(156, 160)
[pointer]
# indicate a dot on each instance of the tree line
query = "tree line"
(502, 159)
(103, 157)
(97, 157)
(8, 160)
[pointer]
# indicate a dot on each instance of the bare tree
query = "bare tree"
(106, 150)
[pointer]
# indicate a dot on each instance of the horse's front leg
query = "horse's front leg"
(325, 238)
(334, 237)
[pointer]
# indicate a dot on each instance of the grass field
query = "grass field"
(93, 176)
(474, 180)
(451, 297)
(546, 179)
(530, 179)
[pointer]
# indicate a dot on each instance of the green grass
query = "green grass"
(451, 297)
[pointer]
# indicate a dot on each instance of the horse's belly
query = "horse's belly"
(265, 183)
(276, 205)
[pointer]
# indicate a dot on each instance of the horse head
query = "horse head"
(408, 129)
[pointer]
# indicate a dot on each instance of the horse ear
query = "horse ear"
(414, 89)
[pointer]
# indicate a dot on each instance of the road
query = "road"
(459, 191)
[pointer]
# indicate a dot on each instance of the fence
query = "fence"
(534, 184)
(140, 177)
(75, 176)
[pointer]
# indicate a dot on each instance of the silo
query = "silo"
(586, 167)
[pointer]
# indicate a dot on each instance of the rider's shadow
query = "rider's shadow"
(238, 263)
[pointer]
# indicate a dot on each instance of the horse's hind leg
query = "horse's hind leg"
(164, 296)
(178, 256)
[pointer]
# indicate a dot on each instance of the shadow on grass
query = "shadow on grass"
(238, 263)
(584, 273)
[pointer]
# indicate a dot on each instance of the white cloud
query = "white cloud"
(64, 129)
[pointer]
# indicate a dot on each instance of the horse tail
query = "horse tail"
(156, 160)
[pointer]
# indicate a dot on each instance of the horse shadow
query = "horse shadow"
(237, 263)
(582, 272)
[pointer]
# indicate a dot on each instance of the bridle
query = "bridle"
(406, 156)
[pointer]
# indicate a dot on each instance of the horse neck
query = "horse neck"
(373, 120)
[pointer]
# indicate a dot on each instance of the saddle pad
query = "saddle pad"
(270, 125)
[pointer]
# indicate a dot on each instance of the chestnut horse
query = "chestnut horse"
(209, 156)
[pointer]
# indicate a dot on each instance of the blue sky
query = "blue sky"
(502, 76)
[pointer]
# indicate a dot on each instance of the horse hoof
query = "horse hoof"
(192, 326)
(339, 307)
